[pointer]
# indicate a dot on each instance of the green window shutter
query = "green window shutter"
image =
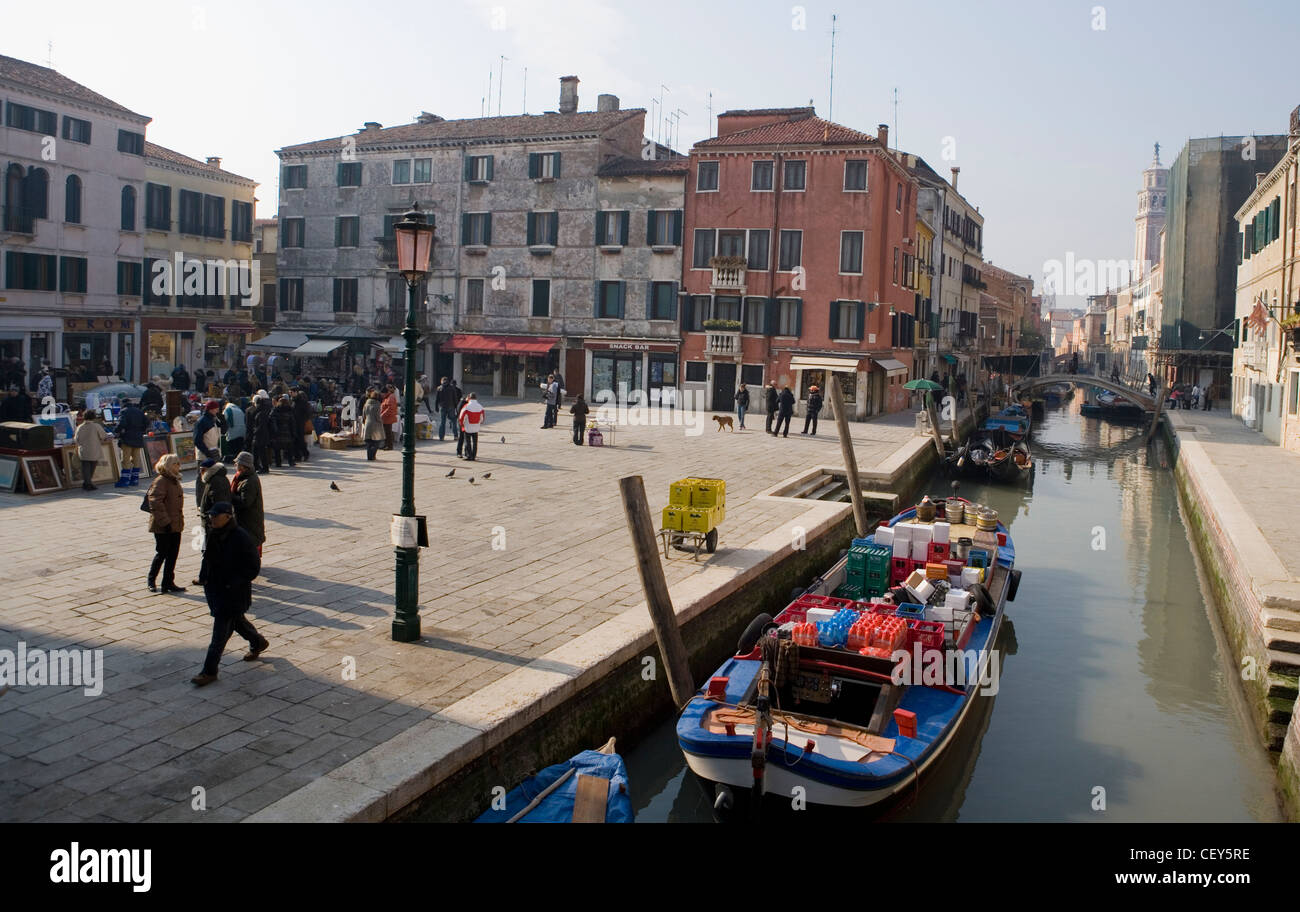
(556, 175)
(534, 164)
(862, 319)
(337, 295)
(650, 228)
(623, 218)
(622, 299)
(469, 167)
(672, 301)
(595, 311)
(464, 228)
(487, 229)
(600, 227)
(490, 160)
(688, 313)
(677, 228)
(532, 228)
(771, 317)
(834, 309)
(554, 236)
(798, 317)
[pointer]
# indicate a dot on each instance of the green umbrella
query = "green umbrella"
(922, 385)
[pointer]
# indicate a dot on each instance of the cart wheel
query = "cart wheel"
(711, 541)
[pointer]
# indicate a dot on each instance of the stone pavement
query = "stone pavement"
(74, 567)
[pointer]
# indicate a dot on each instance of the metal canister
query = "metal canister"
(961, 548)
(987, 520)
(956, 510)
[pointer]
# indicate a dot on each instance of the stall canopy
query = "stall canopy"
(320, 347)
(810, 362)
(951, 359)
(500, 345)
(395, 345)
(890, 366)
(279, 341)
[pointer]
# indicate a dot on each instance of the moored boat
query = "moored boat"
(805, 712)
(590, 787)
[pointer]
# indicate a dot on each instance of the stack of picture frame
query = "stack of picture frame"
(45, 473)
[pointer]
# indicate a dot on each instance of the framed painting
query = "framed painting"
(9, 473)
(64, 425)
(105, 469)
(183, 447)
(156, 448)
(41, 475)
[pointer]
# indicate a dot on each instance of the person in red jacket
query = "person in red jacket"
(471, 419)
(388, 415)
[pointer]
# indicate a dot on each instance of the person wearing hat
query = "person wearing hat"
(785, 411)
(90, 438)
(211, 487)
(207, 430)
(814, 406)
(166, 521)
(283, 430)
(246, 497)
(230, 564)
(130, 431)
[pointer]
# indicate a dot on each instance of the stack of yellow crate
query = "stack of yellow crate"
(695, 505)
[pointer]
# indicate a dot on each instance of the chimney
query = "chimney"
(568, 94)
(882, 135)
(1259, 176)
(371, 127)
(606, 103)
(955, 172)
(427, 118)
(214, 161)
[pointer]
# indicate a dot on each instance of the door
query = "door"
(509, 375)
(724, 386)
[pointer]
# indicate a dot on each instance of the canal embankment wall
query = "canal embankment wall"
(608, 682)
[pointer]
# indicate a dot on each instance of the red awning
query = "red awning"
(500, 345)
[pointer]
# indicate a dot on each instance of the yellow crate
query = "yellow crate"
(699, 519)
(673, 517)
(708, 492)
(679, 492)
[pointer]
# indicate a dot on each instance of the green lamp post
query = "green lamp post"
(414, 244)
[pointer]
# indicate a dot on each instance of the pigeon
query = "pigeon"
(471, 480)
(333, 486)
(449, 474)
(503, 439)
(487, 474)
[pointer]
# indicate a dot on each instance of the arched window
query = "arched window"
(128, 208)
(72, 200)
(15, 215)
(36, 193)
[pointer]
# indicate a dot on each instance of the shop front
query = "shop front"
(32, 340)
(94, 347)
(618, 367)
(816, 370)
(169, 341)
(510, 366)
(223, 345)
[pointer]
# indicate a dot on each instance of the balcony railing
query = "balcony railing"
(387, 251)
(728, 273)
(19, 219)
(722, 343)
(393, 319)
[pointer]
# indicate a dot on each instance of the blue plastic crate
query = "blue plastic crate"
(911, 612)
(977, 557)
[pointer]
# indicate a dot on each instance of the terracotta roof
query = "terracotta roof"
(809, 131)
(769, 112)
(624, 167)
(38, 77)
(162, 153)
(518, 126)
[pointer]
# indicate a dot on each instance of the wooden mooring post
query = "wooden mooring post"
(850, 458)
(667, 633)
(1155, 416)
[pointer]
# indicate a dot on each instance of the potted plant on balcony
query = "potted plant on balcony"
(1291, 326)
(722, 325)
(727, 262)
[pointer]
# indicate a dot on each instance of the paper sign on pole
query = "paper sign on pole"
(404, 531)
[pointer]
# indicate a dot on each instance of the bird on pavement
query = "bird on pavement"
(487, 474)
(503, 439)
(449, 474)
(333, 486)
(471, 480)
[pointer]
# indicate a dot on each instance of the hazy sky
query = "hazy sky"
(1052, 119)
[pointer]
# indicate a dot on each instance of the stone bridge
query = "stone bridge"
(1127, 392)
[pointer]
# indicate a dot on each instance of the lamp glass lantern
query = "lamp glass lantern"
(414, 244)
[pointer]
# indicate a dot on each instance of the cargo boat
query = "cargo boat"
(841, 726)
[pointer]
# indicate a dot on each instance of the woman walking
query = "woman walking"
(742, 404)
(579, 411)
(283, 429)
(388, 415)
(246, 497)
(166, 521)
(373, 431)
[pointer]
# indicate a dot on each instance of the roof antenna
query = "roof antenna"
(525, 90)
(49, 60)
(710, 113)
(830, 113)
(896, 117)
(501, 83)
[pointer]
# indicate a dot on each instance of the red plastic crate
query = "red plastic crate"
(906, 722)
(1002, 539)
(928, 633)
(823, 601)
(901, 568)
(938, 552)
(792, 612)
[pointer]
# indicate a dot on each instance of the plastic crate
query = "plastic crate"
(910, 612)
(674, 516)
(928, 633)
(939, 552)
(901, 568)
(977, 557)
(699, 519)
(679, 492)
(834, 603)
(850, 591)
(708, 492)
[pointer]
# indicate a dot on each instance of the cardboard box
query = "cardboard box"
(884, 536)
(903, 532)
(339, 441)
(903, 548)
(941, 532)
(922, 533)
(920, 550)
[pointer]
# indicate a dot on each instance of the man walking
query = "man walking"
(742, 404)
(471, 419)
(1151, 384)
(785, 412)
(236, 431)
(552, 390)
(772, 402)
(230, 564)
(448, 398)
(1205, 397)
(814, 406)
(131, 425)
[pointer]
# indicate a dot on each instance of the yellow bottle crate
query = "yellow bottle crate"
(708, 492)
(700, 519)
(674, 516)
(679, 492)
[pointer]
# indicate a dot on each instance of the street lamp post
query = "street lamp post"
(414, 244)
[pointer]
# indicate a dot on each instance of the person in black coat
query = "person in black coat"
(301, 416)
(17, 407)
(230, 564)
(259, 428)
(814, 406)
(180, 378)
(282, 432)
(742, 404)
(785, 411)
(772, 402)
(152, 399)
(579, 410)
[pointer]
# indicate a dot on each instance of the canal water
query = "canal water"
(1116, 681)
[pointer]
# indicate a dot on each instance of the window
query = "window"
(664, 228)
(476, 228)
(755, 316)
(214, 216)
(423, 171)
(611, 228)
(789, 317)
(347, 230)
(478, 168)
(402, 171)
(705, 240)
(793, 175)
(291, 294)
(36, 194)
(241, 221)
(473, 296)
(34, 120)
(610, 297)
(345, 295)
(544, 165)
(1294, 394)
(543, 229)
(349, 174)
(152, 292)
(541, 297)
(157, 207)
(30, 271)
(295, 177)
(72, 200)
(128, 208)
(191, 212)
(695, 310)
(751, 374)
(760, 242)
(898, 198)
(697, 371)
(662, 301)
(706, 178)
(855, 175)
(129, 278)
(294, 231)
(847, 319)
(791, 252)
(128, 142)
(726, 307)
(851, 252)
(72, 274)
(731, 243)
(761, 176)
(76, 130)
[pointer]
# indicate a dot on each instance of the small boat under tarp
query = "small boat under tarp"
(590, 787)
(993, 452)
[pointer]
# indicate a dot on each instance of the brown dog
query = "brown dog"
(724, 421)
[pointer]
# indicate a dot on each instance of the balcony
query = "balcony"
(19, 220)
(728, 274)
(722, 343)
(387, 255)
(393, 319)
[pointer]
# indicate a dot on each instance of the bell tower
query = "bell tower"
(1151, 214)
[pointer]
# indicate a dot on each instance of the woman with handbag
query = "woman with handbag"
(165, 504)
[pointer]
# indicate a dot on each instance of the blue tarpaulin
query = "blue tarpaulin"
(557, 807)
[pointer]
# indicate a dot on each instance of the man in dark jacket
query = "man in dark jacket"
(152, 400)
(207, 431)
(211, 486)
(259, 429)
(814, 406)
(282, 432)
(180, 378)
(785, 411)
(131, 426)
(772, 401)
(230, 564)
(17, 407)
(448, 398)
(246, 497)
